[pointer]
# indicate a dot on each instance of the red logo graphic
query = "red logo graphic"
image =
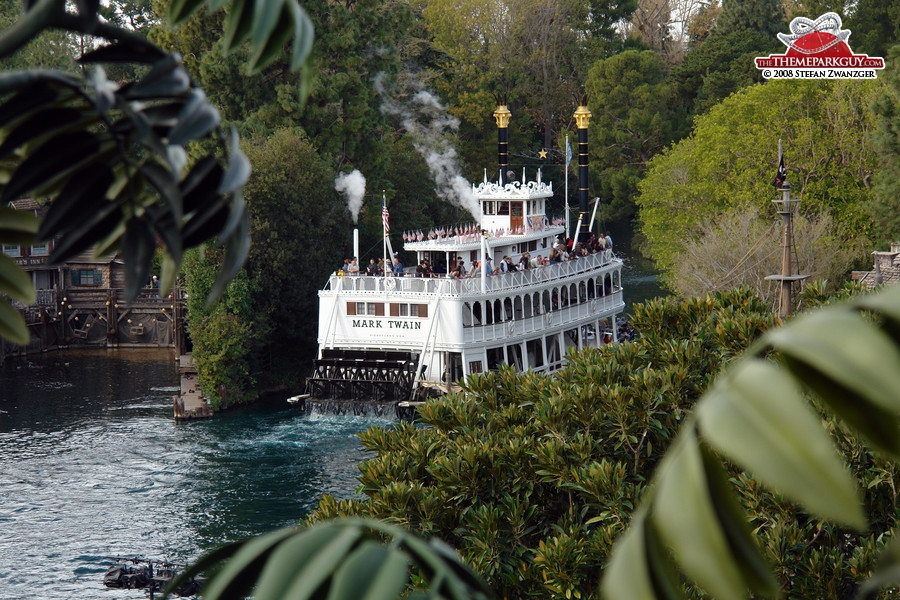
(818, 49)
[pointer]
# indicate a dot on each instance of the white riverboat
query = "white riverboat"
(385, 338)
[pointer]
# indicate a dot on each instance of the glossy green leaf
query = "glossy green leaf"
(245, 561)
(887, 571)
(164, 115)
(303, 578)
(17, 226)
(40, 85)
(101, 222)
(854, 362)
(168, 274)
(123, 51)
(266, 16)
(685, 515)
(76, 202)
(14, 281)
(304, 34)
(756, 416)
(180, 10)
(166, 79)
(273, 46)
(237, 208)
(206, 562)
(204, 225)
(238, 24)
(636, 555)
(39, 124)
(165, 183)
(372, 572)
(237, 247)
(197, 118)
(200, 185)
(756, 573)
(49, 162)
(34, 97)
(138, 246)
(12, 324)
(238, 171)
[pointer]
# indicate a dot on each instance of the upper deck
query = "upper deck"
(447, 287)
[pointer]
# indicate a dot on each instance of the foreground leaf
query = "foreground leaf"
(12, 324)
(771, 431)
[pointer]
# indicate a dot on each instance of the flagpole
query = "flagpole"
(566, 171)
(384, 232)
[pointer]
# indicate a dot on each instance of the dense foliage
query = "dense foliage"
(729, 160)
(532, 477)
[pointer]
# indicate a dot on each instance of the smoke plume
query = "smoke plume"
(429, 124)
(353, 186)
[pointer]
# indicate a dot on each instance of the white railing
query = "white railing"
(595, 307)
(470, 286)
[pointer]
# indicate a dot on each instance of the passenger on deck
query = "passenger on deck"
(353, 266)
(488, 266)
(397, 267)
(372, 269)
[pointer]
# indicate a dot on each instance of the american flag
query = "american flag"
(385, 217)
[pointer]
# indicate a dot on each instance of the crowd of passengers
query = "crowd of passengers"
(562, 251)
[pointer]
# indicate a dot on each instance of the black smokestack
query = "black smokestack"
(502, 116)
(582, 116)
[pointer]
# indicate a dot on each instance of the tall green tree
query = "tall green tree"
(764, 16)
(729, 161)
(885, 206)
(718, 66)
(632, 120)
(52, 49)
(874, 26)
(300, 231)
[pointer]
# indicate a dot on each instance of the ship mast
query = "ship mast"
(582, 116)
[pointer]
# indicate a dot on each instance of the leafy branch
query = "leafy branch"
(758, 417)
(112, 159)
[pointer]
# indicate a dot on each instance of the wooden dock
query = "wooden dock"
(189, 403)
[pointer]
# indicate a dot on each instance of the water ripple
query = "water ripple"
(92, 465)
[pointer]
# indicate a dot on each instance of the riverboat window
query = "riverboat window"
(408, 310)
(475, 367)
(11, 250)
(87, 277)
(535, 351)
(495, 358)
(490, 207)
(39, 250)
(365, 308)
(503, 208)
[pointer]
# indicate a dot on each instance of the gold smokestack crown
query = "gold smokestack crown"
(582, 116)
(502, 115)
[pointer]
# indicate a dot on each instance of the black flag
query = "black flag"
(782, 173)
